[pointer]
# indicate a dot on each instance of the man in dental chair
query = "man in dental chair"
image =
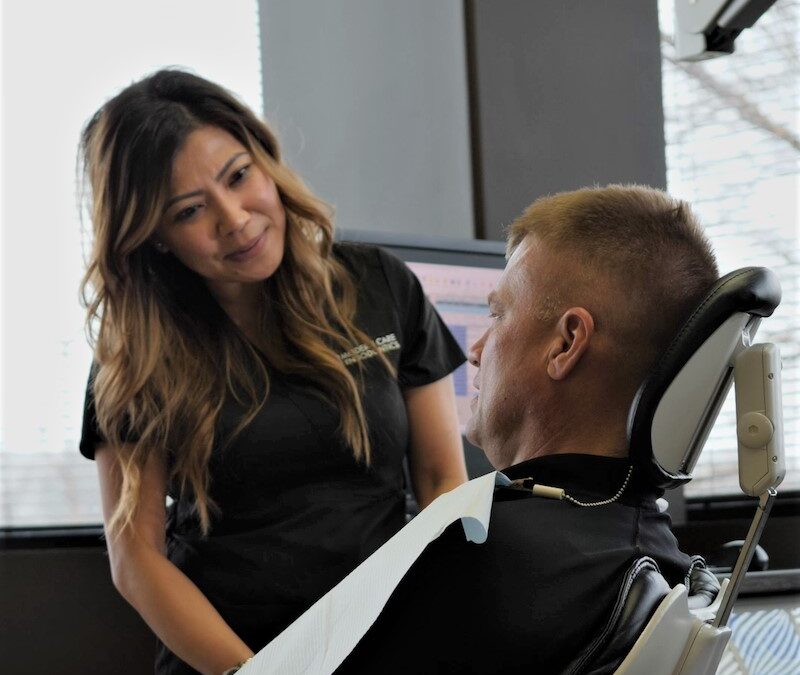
(597, 284)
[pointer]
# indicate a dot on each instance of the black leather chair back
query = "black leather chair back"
(642, 590)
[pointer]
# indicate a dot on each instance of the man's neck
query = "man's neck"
(563, 438)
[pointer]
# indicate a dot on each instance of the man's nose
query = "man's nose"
(475, 351)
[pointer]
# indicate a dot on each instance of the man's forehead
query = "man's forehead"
(524, 263)
(512, 285)
(533, 271)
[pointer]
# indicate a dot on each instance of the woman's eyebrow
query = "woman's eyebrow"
(227, 165)
(217, 178)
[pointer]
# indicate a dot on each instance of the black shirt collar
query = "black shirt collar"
(585, 476)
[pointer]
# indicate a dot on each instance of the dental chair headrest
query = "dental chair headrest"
(734, 304)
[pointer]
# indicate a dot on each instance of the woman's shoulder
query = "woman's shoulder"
(364, 259)
(357, 252)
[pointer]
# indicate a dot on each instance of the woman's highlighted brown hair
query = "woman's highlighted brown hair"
(166, 354)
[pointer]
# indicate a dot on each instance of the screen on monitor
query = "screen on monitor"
(457, 276)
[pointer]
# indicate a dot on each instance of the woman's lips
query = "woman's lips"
(251, 250)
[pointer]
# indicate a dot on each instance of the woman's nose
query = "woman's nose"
(232, 215)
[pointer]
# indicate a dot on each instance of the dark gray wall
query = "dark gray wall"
(449, 117)
(369, 99)
(60, 614)
(565, 93)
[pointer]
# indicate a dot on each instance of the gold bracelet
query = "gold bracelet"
(235, 669)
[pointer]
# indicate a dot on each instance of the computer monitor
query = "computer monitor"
(457, 276)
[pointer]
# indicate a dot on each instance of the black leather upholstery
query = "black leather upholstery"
(702, 584)
(751, 290)
(641, 591)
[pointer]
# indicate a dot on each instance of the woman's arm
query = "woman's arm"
(167, 600)
(436, 457)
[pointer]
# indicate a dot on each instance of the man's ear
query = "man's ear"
(574, 332)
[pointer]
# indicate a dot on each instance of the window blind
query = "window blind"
(732, 128)
(55, 74)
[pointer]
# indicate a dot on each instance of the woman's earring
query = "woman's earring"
(161, 247)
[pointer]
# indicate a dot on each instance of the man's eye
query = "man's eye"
(239, 175)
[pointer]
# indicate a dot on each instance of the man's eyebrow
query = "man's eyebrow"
(492, 297)
(217, 178)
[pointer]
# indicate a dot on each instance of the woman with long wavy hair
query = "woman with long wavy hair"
(265, 381)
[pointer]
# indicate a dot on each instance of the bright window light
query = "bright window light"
(732, 128)
(57, 69)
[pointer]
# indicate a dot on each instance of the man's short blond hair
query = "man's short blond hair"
(643, 251)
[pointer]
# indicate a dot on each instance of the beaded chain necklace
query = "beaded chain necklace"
(550, 492)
